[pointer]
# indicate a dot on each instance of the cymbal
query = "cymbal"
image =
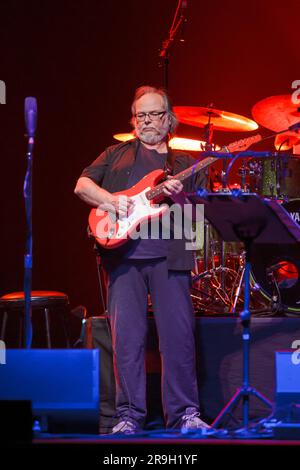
(124, 137)
(276, 112)
(222, 120)
(182, 143)
(178, 143)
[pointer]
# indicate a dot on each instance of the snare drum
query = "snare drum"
(282, 263)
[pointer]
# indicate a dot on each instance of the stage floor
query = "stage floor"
(149, 448)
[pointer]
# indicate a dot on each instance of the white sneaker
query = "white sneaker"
(192, 422)
(125, 426)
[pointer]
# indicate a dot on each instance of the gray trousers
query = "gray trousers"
(128, 288)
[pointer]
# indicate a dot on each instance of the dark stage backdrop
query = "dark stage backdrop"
(82, 60)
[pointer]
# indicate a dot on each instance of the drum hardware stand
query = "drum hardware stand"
(207, 273)
(243, 171)
(209, 131)
(206, 244)
(238, 289)
(246, 218)
(241, 274)
(222, 261)
(222, 267)
(278, 177)
(276, 305)
(211, 274)
(208, 137)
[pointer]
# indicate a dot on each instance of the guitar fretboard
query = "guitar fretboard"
(182, 176)
(240, 145)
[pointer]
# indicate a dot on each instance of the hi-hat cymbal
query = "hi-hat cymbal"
(178, 143)
(276, 112)
(222, 120)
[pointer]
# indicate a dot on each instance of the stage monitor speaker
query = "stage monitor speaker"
(287, 379)
(287, 410)
(62, 385)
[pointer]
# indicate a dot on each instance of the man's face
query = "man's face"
(154, 128)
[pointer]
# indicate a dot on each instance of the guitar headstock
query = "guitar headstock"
(243, 144)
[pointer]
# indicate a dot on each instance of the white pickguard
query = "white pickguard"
(118, 229)
(142, 210)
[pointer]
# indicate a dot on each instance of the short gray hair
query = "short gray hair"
(144, 90)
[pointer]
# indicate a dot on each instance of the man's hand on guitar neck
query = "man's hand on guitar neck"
(173, 188)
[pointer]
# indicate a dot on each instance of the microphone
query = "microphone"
(295, 127)
(30, 113)
(183, 19)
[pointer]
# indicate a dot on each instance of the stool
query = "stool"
(40, 300)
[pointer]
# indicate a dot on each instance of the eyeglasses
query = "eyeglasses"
(153, 116)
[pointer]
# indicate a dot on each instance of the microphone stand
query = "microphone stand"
(30, 122)
(27, 192)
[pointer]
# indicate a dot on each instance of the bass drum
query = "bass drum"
(279, 264)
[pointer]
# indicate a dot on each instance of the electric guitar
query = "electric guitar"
(111, 231)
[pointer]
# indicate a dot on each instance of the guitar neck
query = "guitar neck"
(182, 176)
(240, 145)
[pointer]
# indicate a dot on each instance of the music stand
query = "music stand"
(250, 219)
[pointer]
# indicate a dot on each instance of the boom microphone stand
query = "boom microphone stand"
(178, 20)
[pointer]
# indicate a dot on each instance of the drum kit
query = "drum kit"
(218, 274)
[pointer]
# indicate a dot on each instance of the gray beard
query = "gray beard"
(151, 138)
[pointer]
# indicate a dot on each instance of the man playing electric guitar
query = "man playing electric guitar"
(156, 266)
